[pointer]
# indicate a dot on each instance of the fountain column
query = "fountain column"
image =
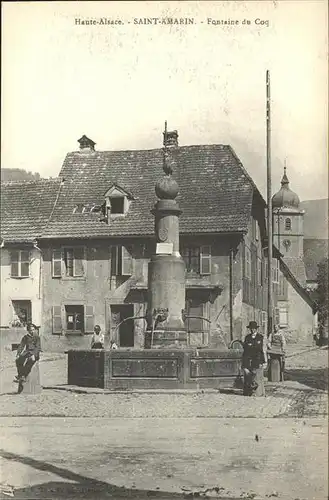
(166, 270)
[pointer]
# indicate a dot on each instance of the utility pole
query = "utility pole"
(269, 207)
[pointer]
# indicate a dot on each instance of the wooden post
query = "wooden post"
(269, 207)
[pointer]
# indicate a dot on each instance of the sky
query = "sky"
(119, 83)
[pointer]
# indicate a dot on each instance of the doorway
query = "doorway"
(122, 332)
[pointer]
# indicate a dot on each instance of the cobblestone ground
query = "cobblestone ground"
(189, 444)
(303, 394)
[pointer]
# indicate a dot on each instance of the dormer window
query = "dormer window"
(117, 201)
(117, 205)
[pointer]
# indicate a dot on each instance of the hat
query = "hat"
(252, 325)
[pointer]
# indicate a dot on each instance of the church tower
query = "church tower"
(288, 221)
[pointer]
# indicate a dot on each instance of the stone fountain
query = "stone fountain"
(167, 362)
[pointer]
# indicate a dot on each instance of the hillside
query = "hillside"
(18, 174)
(315, 219)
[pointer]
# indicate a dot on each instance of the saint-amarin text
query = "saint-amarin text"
(164, 20)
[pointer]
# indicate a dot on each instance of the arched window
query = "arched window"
(287, 224)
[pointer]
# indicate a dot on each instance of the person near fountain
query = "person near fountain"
(113, 345)
(97, 340)
(28, 352)
(277, 345)
(253, 359)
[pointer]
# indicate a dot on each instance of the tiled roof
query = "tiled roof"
(26, 207)
(290, 269)
(297, 268)
(215, 191)
(314, 252)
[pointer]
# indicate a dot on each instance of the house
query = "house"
(100, 237)
(296, 310)
(25, 210)
(76, 248)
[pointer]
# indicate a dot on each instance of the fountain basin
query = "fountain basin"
(125, 369)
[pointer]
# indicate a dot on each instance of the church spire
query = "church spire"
(285, 180)
(285, 197)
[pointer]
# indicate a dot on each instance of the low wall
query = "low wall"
(154, 369)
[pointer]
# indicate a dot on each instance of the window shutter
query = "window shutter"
(264, 322)
(127, 262)
(277, 316)
(25, 263)
(89, 319)
(205, 260)
(114, 260)
(57, 263)
(57, 319)
(265, 270)
(283, 316)
(275, 270)
(78, 263)
(14, 257)
(259, 272)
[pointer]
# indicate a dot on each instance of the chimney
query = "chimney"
(170, 139)
(86, 144)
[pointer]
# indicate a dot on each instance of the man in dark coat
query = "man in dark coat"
(253, 359)
(28, 352)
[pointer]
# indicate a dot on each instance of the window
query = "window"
(205, 260)
(20, 263)
(121, 261)
(197, 259)
(282, 286)
(287, 224)
(22, 312)
(247, 262)
(275, 270)
(74, 319)
(117, 205)
(259, 272)
(68, 262)
(283, 316)
(117, 201)
(78, 209)
(191, 257)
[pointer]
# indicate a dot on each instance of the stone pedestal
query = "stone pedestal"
(32, 384)
(166, 300)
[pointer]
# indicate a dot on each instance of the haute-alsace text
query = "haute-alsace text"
(97, 22)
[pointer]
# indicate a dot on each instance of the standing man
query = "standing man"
(28, 352)
(253, 359)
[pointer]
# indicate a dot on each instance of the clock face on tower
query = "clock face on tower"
(163, 234)
(286, 244)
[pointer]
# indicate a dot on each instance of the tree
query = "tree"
(323, 300)
(18, 174)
